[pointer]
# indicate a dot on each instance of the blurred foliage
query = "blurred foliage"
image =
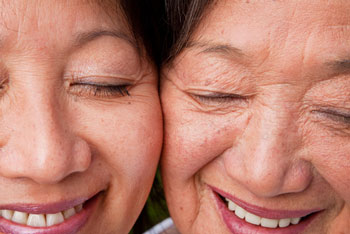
(155, 209)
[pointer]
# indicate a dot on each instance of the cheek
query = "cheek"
(331, 160)
(127, 137)
(193, 139)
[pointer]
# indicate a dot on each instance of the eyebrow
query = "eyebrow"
(85, 37)
(216, 48)
(339, 67)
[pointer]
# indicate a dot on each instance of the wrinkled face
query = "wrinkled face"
(257, 119)
(80, 119)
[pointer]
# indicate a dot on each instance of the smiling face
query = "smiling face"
(80, 119)
(257, 120)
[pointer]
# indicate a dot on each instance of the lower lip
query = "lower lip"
(69, 226)
(240, 226)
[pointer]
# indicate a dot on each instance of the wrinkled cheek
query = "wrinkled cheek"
(191, 144)
(338, 177)
(332, 162)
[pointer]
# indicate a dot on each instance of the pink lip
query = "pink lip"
(239, 226)
(44, 208)
(264, 212)
(69, 226)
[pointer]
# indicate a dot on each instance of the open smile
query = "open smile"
(243, 218)
(64, 217)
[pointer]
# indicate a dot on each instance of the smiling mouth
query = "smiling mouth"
(40, 220)
(66, 217)
(244, 218)
(261, 221)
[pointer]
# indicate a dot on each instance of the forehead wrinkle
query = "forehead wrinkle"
(42, 11)
(32, 16)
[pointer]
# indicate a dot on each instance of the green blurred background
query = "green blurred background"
(155, 209)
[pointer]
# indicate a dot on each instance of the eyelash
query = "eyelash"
(336, 116)
(220, 98)
(100, 90)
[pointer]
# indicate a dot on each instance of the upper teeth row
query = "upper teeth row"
(257, 220)
(40, 220)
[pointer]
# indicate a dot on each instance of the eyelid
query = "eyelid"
(101, 80)
(99, 86)
(99, 91)
(334, 115)
(221, 95)
(218, 96)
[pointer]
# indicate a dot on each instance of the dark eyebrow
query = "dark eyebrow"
(216, 48)
(85, 37)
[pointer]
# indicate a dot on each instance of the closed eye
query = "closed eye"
(335, 115)
(219, 98)
(99, 90)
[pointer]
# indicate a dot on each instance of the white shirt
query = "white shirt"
(161, 227)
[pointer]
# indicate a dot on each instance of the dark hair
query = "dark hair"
(155, 209)
(182, 17)
(146, 18)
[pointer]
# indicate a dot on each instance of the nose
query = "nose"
(267, 158)
(40, 143)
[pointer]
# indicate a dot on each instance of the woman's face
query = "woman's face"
(257, 111)
(80, 120)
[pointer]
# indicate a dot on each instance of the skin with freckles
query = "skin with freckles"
(257, 105)
(79, 110)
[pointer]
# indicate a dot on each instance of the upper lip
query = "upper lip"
(49, 208)
(264, 212)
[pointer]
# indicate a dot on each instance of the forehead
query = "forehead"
(299, 26)
(55, 9)
(56, 19)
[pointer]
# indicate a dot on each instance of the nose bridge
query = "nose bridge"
(41, 142)
(47, 131)
(273, 137)
(276, 128)
(268, 149)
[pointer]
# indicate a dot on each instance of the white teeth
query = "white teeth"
(231, 205)
(295, 220)
(69, 213)
(40, 220)
(269, 223)
(19, 217)
(257, 220)
(36, 220)
(7, 214)
(240, 212)
(284, 223)
(252, 218)
(52, 219)
(78, 208)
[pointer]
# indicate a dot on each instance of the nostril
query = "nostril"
(82, 155)
(45, 163)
